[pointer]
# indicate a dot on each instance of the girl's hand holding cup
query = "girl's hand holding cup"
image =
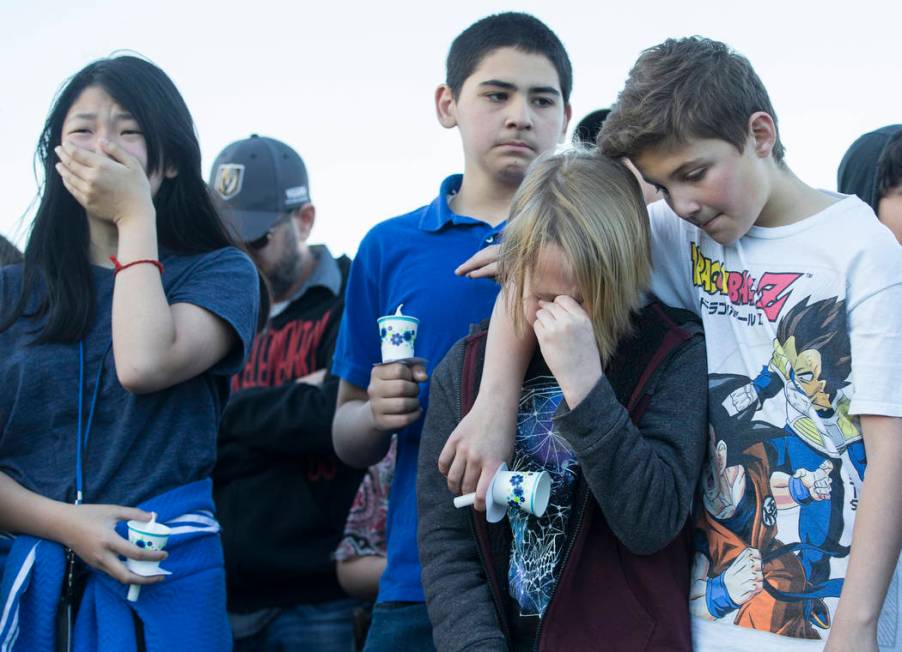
(567, 340)
(111, 185)
(89, 530)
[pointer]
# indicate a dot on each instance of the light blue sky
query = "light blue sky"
(350, 85)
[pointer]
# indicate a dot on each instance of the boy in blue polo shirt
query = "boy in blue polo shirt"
(507, 90)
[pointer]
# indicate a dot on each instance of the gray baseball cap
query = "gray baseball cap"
(257, 180)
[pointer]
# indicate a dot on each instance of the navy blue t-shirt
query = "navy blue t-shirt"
(139, 445)
(411, 260)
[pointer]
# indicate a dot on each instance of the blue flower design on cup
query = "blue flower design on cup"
(147, 544)
(150, 535)
(397, 333)
(516, 497)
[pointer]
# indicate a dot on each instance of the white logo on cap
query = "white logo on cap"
(298, 193)
(229, 177)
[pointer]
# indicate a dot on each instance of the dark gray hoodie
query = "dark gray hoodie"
(642, 478)
(857, 173)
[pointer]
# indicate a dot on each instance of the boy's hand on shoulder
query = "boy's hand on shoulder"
(394, 395)
(567, 340)
(479, 444)
(482, 264)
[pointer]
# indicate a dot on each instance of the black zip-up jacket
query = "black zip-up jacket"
(623, 584)
(282, 495)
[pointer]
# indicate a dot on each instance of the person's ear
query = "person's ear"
(762, 133)
(304, 217)
(568, 113)
(445, 106)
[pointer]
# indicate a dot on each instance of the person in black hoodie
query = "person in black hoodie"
(281, 492)
(872, 169)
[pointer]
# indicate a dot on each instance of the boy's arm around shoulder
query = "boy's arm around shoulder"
(644, 478)
(457, 593)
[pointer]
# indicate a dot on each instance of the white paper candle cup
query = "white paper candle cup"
(148, 535)
(528, 491)
(398, 334)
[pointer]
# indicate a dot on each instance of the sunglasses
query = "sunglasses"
(263, 240)
(259, 243)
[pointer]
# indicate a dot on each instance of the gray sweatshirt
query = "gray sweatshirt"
(642, 478)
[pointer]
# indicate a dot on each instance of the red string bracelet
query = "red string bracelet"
(118, 267)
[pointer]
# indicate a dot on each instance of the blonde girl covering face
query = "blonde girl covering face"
(579, 229)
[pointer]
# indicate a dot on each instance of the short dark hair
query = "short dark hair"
(686, 88)
(889, 166)
(508, 30)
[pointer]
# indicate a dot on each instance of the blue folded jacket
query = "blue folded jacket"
(187, 611)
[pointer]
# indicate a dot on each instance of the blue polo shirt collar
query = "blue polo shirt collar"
(438, 213)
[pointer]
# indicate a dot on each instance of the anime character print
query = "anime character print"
(780, 446)
(742, 570)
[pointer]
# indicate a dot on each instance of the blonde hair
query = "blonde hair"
(591, 207)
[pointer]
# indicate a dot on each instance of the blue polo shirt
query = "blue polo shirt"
(410, 260)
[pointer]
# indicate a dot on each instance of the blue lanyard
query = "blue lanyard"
(84, 429)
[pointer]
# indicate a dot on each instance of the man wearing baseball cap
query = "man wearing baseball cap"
(281, 492)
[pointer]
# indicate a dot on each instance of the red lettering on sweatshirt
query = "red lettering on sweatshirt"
(279, 356)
